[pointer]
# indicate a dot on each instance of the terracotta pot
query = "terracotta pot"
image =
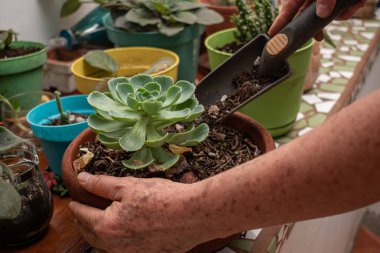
(242, 123)
(225, 11)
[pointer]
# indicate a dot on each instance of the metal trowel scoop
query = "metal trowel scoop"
(272, 52)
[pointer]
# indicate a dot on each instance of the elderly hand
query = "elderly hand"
(146, 215)
(290, 8)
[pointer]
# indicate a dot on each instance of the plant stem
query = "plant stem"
(64, 116)
(14, 112)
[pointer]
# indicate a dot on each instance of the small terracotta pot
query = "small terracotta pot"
(238, 121)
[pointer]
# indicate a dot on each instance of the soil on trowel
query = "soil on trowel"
(17, 51)
(74, 118)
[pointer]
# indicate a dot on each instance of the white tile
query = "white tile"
(325, 107)
(277, 144)
(334, 74)
(371, 24)
(336, 37)
(350, 58)
(327, 56)
(304, 131)
(346, 74)
(327, 64)
(368, 35)
(300, 116)
(344, 49)
(356, 22)
(327, 51)
(311, 99)
(343, 28)
(329, 95)
(358, 28)
(362, 47)
(350, 42)
(226, 250)
(253, 234)
(323, 78)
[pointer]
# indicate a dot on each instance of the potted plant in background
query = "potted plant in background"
(174, 25)
(20, 64)
(277, 109)
(56, 128)
(153, 127)
(92, 71)
(25, 200)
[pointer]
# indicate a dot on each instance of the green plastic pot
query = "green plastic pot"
(22, 73)
(277, 109)
(185, 44)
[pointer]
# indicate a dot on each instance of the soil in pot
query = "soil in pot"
(36, 211)
(73, 118)
(17, 51)
(231, 47)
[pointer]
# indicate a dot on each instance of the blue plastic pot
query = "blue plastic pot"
(55, 139)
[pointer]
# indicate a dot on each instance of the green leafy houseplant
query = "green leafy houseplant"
(136, 114)
(10, 200)
(6, 38)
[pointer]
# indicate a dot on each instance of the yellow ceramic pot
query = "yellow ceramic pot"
(132, 60)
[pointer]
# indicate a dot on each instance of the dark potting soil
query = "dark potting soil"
(74, 118)
(231, 47)
(223, 149)
(17, 51)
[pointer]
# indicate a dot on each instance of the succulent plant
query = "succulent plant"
(10, 200)
(251, 22)
(136, 113)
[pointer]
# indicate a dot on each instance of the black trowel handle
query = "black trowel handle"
(297, 33)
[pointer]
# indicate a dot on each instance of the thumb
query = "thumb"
(325, 8)
(104, 186)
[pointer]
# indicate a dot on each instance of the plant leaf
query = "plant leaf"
(165, 81)
(190, 138)
(151, 107)
(112, 86)
(3, 36)
(134, 139)
(170, 30)
(208, 17)
(100, 124)
(160, 65)
(130, 117)
(172, 95)
(140, 159)
(173, 115)
(10, 200)
(133, 102)
(154, 139)
(152, 86)
(179, 150)
(103, 102)
(187, 5)
(165, 158)
(8, 139)
(109, 142)
(101, 60)
(69, 7)
(123, 90)
(138, 81)
(195, 113)
(187, 91)
(185, 17)
(141, 17)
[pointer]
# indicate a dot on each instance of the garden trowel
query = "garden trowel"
(272, 54)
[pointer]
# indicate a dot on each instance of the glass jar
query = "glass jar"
(20, 156)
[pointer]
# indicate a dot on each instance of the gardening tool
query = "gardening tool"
(272, 52)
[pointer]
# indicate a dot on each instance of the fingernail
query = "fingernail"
(83, 177)
(323, 10)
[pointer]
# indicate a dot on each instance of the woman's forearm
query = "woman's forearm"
(333, 169)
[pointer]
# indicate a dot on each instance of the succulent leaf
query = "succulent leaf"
(165, 82)
(172, 95)
(123, 90)
(152, 107)
(190, 138)
(164, 158)
(133, 139)
(140, 159)
(154, 139)
(187, 91)
(112, 86)
(103, 102)
(139, 81)
(133, 102)
(101, 124)
(109, 142)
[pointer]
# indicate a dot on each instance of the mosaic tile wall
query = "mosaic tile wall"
(352, 39)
